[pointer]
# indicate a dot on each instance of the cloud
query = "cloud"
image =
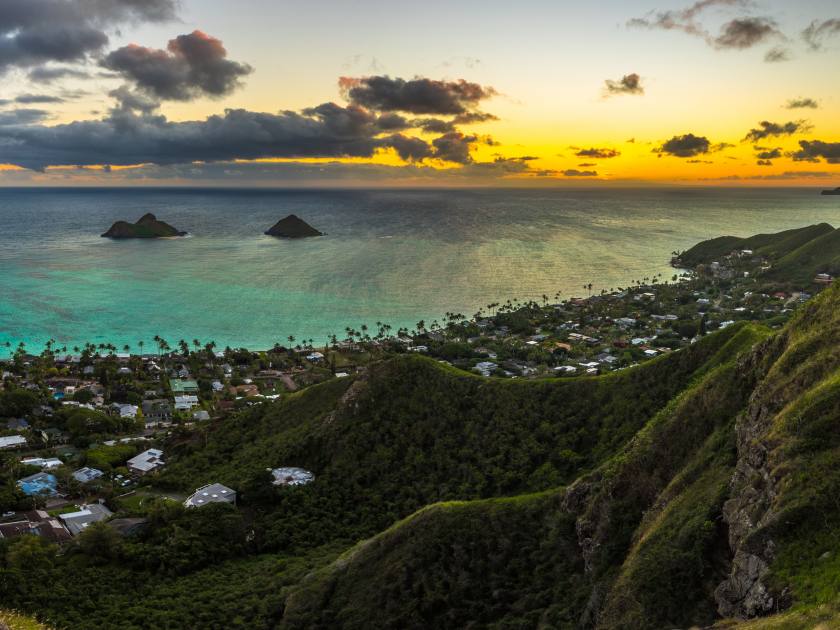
(695, 161)
(573, 172)
(777, 54)
(802, 103)
(739, 33)
(192, 65)
(816, 32)
(49, 74)
(812, 151)
(22, 116)
(746, 32)
(32, 99)
(764, 153)
(767, 129)
(764, 163)
(787, 175)
(35, 32)
(687, 145)
(628, 84)
(587, 164)
(468, 118)
(597, 153)
(454, 147)
(415, 96)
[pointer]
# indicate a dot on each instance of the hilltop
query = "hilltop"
(292, 226)
(791, 257)
(147, 226)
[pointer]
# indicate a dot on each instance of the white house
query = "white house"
(211, 493)
(186, 402)
(12, 441)
(146, 462)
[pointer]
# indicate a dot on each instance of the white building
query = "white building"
(186, 402)
(12, 441)
(292, 477)
(211, 493)
(146, 462)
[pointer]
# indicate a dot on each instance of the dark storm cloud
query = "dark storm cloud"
(746, 32)
(687, 145)
(192, 65)
(777, 54)
(767, 129)
(817, 32)
(22, 116)
(802, 103)
(573, 172)
(812, 151)
(416, 96)
(34, 99)
(34, 32)
(628, 84)
(597, 153)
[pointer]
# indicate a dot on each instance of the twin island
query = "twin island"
(148, 226)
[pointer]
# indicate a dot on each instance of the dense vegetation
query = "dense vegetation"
(608, 502)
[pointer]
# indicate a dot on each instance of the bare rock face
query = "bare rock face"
(293, 226)
(752, 506)
(147, 226)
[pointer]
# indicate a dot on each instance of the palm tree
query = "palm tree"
(140, 345)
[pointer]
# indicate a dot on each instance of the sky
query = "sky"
(370, 93)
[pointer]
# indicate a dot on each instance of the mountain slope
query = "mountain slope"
(723, 504)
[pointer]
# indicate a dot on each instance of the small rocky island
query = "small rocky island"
(831, 191)
(293, 226)
(147, 226)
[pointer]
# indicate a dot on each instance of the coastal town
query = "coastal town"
(86, 431)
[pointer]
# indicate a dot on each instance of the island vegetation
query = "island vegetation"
(147, 226)
(292, 226)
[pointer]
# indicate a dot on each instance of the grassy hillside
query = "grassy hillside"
(800, 263)
(772, 246)
(733, 484)
(412, 432)
(14, 621)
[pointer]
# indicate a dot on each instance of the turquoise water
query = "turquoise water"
(390, 256)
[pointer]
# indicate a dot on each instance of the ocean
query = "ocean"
(393, 256)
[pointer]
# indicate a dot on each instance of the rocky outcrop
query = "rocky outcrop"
(147, 226)
(292, 226)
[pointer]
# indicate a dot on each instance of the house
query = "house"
(17, 424)
(211, 493)
(486, 368)
(292, 477)
(86, 475)
(39, 484)
(40, 462)
(34, 522)
(146, 462)
(77, 522)
(186, 402)
(314, 357)
(201, 414)
(217, 386)
(157, 411)
(126, 411)
(12, 441)
(625, 322)
(183, 386)
(566, 369)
